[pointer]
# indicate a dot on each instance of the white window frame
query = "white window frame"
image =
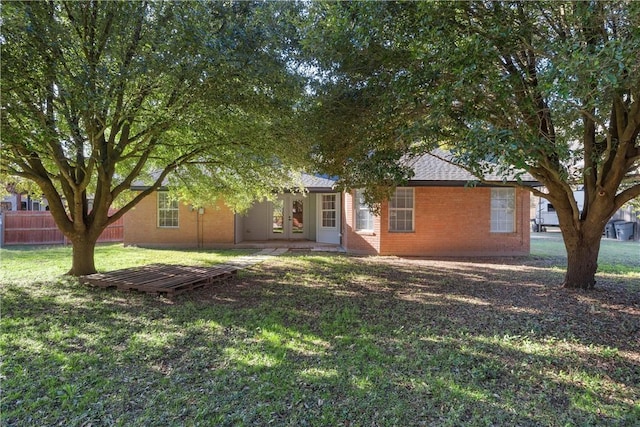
(167, 205)
(333, 211)
(503, 210)
(394, 210)
(360, 207)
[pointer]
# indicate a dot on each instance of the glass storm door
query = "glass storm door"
(287, 217)
(328, 218)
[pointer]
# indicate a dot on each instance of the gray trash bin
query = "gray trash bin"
(624, 230)
(610, 230)
(613, 227)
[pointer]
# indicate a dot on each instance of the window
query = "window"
(364, 216)
(401, 210)
(167, 210)
(329, 210)
(503, 210)
(278, 217)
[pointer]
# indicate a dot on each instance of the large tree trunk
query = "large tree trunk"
(582, 258)
(83, 259)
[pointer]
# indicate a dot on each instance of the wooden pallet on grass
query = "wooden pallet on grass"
(171, 280)
(163, 279)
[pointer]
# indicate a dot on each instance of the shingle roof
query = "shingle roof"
(310, 182)
(432, 169)
(317, 183)
(429, 169)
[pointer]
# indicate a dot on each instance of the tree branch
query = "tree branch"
(158, 182)
(626, 195)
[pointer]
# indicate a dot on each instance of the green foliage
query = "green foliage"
(99, 95)
(505, 86)
(14, 184)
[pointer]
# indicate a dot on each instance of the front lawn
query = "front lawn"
(324, 340)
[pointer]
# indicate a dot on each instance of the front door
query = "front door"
(287, 217)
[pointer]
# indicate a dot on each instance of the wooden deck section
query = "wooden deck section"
(171, 280)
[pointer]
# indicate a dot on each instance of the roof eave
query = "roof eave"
(460, 183)
(146, 187)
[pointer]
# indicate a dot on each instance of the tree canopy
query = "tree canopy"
(548, 88)
(97, 95)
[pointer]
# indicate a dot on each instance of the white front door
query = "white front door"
(328, 218)
(287, 217)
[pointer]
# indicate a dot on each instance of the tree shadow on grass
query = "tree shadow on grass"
(507, 326)
(328, 341)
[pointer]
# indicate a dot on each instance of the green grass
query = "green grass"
(54, 261)
(615, 257)
(318, 340)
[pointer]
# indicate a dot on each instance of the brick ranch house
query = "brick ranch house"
(435, 214)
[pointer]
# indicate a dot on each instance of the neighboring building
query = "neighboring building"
(436, 214)
(22, 202)
(544, 215)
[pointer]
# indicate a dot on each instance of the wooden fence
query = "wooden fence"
(39, 228)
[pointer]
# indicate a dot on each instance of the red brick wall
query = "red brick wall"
(358, 242)
(448, 221)
(214, 227)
